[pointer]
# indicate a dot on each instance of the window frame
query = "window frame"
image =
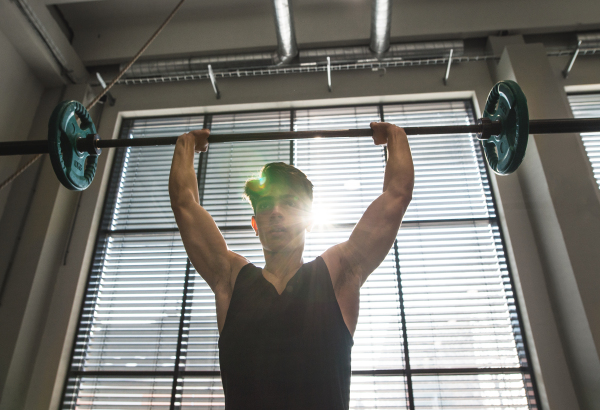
(108, 208)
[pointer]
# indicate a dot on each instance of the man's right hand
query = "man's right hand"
(200, 138)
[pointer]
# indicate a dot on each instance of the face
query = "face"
(281, 219)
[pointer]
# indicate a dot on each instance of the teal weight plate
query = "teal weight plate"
(507, 103)
(74, 169)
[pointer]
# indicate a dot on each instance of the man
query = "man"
(286, 330)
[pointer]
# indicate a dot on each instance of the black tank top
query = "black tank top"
(288, 351)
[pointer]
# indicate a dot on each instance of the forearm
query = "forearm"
(399, 171)
(183, 185)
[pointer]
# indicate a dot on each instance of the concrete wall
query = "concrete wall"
(21, 92)
(549, 215)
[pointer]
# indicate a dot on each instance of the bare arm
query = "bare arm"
(374, 234)
(202, 239)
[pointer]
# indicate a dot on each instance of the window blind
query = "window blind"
(588, 106)
(438, 324)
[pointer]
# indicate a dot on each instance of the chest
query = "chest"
(305, 303)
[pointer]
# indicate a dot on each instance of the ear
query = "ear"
(254, 225)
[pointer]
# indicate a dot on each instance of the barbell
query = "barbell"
(74, 145)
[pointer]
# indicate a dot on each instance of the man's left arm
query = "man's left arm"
(374, 234)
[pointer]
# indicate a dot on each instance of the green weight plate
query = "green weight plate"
(74, 169)
(507, 103)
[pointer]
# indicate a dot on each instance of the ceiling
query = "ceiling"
(111, 31)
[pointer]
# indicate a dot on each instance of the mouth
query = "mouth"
(277, 229)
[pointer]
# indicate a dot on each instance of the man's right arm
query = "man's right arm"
(201, 237)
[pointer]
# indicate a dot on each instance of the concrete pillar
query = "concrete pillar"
(562, 204)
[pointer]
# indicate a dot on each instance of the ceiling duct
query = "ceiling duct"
(338, 55)
(404, 51)
(287, 48)
(589, 40)
(183, 66)
(381, 23)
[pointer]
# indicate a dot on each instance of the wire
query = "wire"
(19, 172)
(134, 59)
(113, 82)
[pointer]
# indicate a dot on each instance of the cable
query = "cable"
(113, 82)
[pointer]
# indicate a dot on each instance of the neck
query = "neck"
(283, 263)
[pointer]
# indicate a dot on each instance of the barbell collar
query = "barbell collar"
(89, 144)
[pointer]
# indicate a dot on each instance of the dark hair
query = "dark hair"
(277, 173)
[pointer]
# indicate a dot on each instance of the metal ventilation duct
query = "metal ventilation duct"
(338, 55)
(589, 40)
(381, 22)
(286, 37)
(403, 51)
(183, 66)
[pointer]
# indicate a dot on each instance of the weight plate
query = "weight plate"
(507, 103)
(74, 169)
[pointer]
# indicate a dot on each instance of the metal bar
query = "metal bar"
(448, 67)
(269, 136)
(329, 74)
(24, 147)
(213, 81)
(563, 126)
(559, 126)
(569, 66)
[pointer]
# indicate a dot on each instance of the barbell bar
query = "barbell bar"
(481, 129)
(74, 145)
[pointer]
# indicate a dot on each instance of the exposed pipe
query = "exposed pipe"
(403, 50)
(589, 44)
(287, 48)
(194, 65)
(182, 66)
(381, 23)
(589, 40)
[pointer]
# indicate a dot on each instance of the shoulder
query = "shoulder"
(340, 268)
(230, 274)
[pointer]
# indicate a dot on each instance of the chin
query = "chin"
(282, 245)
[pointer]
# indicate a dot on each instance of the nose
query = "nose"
(276, 210)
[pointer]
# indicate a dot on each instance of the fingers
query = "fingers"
(200, 139)
(383, 130)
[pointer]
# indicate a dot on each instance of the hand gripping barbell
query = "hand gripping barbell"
(504, 130)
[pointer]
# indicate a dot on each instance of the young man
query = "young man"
(286, 330)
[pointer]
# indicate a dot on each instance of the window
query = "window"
(588, 106)
(438, 325)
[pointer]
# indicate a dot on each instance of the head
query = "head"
(281, 198)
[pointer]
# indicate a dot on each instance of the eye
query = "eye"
(292, 202)
(264, 205)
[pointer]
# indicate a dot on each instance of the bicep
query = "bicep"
(205, 245)
(370, 240)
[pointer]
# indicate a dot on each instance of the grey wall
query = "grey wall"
(21, 92)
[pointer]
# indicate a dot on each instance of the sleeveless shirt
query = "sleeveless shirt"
(288, 351)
